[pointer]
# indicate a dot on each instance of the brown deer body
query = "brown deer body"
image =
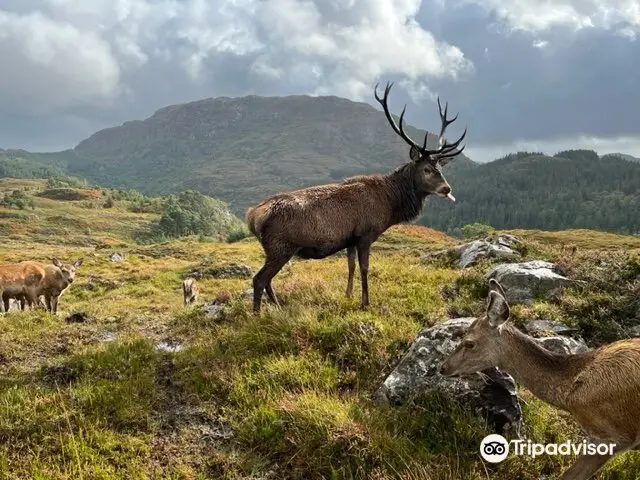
(318, 221)
(190, 290)
(27, 281)
(20, 281)
(600, 388)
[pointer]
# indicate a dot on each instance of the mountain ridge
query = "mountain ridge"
(244, 149)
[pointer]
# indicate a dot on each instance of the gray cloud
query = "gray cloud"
(516, 71)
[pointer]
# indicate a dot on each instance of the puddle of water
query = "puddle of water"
(169, 347)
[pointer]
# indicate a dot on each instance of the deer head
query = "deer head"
(428, 176)
(68, 271)
(480, 348)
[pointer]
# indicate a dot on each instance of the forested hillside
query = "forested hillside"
(572, 189)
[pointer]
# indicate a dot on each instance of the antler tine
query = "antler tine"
(443, 147)
(453, 154)
(448, 147)
(383, 101)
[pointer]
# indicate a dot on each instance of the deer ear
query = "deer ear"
(77, 263)
(494, 286)
(414, 153)
(57, 262)
(497, 310)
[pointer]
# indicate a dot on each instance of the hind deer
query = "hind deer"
(600, 388)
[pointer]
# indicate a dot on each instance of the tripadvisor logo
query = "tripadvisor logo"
(495, 448)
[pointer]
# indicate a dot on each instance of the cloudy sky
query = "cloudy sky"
(524, 74)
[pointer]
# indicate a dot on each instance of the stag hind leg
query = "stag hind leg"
(351, 262)
(363, 261)
(262, 280)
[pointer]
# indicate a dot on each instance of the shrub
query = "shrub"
(473, 230)
(192, 213)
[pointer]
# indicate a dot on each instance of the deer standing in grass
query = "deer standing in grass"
(27, 281)
(190, 291)
(318, 221)
(600, 388)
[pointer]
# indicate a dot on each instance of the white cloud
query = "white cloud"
(48, 64)
(66, 53)
(353, 43)
(539, 15)
(602, 145)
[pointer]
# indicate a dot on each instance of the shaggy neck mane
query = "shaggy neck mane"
(406, 200)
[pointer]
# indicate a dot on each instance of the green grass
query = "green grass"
(98, 400)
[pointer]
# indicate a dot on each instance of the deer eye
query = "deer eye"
(468, 345)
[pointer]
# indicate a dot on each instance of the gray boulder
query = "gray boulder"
(212, 310)
(493, 393)
(468, 254)
(522, 282)
(566, 345)
(536, 327)
(117, 257)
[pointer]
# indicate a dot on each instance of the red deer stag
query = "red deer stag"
(318, 221)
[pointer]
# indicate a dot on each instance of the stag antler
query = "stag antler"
(399, 130)
(444, 150)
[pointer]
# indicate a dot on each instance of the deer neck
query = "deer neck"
(406, 200)
(548, 375)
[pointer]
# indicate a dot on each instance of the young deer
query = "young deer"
(319, 221)
(190, 291)
(600, 388)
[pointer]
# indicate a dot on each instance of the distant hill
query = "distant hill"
(572, 189)
(241, 149)
(624, 156)
(22, 164)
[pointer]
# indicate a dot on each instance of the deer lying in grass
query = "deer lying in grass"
(600, 388)
(30, 280)
(190, 291)
(318, 221)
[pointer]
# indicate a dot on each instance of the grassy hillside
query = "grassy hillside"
(282, 396)
(572, 189)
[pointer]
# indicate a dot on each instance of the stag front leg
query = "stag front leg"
(363, 261)
(351, 262)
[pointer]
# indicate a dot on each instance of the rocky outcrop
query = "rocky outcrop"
(462, 256)
(493, 393)
(523, 282)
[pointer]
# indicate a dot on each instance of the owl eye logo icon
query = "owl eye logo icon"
(494, 448)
